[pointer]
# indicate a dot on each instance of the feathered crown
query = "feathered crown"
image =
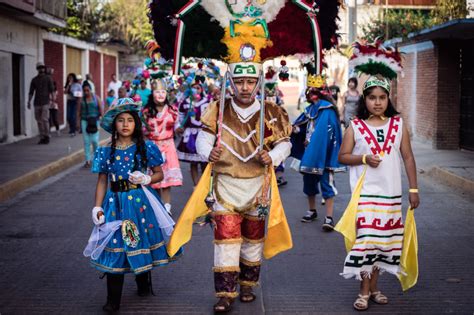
(380, 63)
(240, 30)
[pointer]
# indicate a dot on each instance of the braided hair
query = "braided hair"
(139, 164)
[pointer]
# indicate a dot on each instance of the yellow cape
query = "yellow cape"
(278, 237)
(409, 260)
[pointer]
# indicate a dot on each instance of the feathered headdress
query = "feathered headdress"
(380, 63)
(243, 30)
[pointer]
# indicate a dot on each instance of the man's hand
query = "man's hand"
(264, 158)
(215, 154)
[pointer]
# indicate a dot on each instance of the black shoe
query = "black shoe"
(281, 181)
(42, 141)
(143, 281)
(310, 216)
(328, 224)
(46, 140)
(114, 292)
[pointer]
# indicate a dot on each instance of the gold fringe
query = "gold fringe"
(232, 295)
(247, 240)
(114, 250)
(229, 241)
(253, 218)
(224, 212)
(248, 283)
(250, 263)
(138, 252)
(226, 269)
(156, 246)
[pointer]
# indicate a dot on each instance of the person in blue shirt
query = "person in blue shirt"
(316, 140)
(143, 92)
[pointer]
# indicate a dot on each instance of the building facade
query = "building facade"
(435, 94)
(24, 41)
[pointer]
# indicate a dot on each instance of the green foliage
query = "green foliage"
(447, 10)
(104, 21)
(397, 23)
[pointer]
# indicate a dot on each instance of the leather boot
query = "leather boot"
(114, 292)
(143, 281)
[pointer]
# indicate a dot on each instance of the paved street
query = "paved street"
(43, 233)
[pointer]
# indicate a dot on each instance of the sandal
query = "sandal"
(378, 297)
(362, 302)
(224, 305)
(246, 294)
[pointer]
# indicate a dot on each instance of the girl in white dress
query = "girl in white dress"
(377, 138)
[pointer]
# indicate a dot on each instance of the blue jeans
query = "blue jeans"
(89, 138)
(326, 181)
(71, 115)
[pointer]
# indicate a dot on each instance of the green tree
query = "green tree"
(105, 21)
(397, 23)
(127, 20)
(447, 10)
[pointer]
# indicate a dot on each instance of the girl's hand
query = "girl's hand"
(373, 160)
(98, 215)
(414, 199)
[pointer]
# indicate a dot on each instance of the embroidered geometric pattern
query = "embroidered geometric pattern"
(394, 125)
(379, 236)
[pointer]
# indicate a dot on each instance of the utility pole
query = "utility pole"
(352, 21)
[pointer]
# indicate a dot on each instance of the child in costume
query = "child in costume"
(190, 111)
(131, 223)
(160, 120)
(316, 141)
(372, 147)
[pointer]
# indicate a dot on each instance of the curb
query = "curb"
(463, 184)
(13, 187)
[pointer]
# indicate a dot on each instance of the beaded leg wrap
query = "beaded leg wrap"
(227, 242)
(253, 233)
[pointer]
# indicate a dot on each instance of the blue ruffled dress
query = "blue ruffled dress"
(133, 205)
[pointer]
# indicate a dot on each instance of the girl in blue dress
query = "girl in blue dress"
(131, 223)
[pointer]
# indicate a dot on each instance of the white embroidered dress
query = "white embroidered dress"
(379, 215)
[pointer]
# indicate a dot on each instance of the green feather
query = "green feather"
(374, 68)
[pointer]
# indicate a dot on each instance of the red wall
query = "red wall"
(53, 57)
(94, 70)
(110, 67)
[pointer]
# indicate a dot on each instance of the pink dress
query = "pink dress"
(162, 132)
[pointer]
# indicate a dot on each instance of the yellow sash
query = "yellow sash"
(347, 224)
(409, 259)
(278, 237)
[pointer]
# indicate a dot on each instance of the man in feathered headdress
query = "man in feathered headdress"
(241, 175)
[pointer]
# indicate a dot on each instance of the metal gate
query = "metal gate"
(467, 96)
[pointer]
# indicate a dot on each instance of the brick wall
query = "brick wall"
(404, 90)
(426, 96)
(94, 70)
(110, 66)
(449, 93)
(53, 57)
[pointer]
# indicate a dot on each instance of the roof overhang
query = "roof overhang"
(460, 29)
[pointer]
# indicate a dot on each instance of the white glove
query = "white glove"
(101, 219)
(138, 178)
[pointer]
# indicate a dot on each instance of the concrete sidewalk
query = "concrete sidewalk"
(25, 163)
(453, 168)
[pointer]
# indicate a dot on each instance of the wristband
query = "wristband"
(364, 159)
(413, 190)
